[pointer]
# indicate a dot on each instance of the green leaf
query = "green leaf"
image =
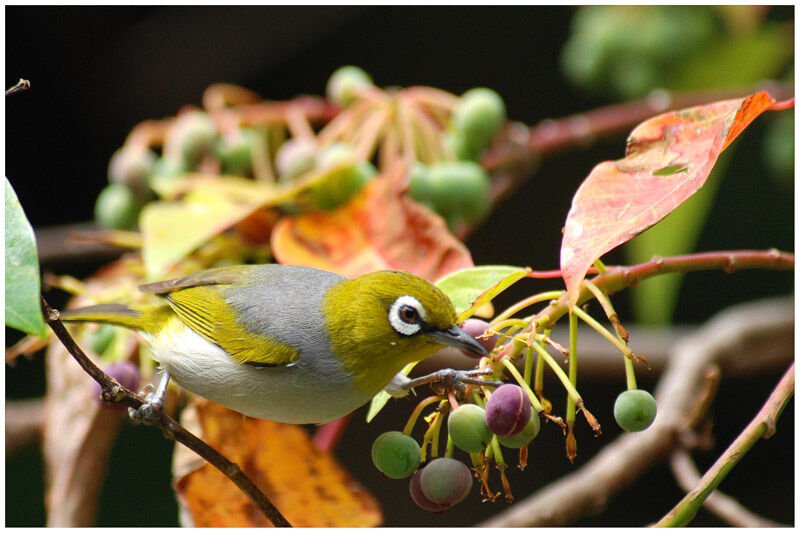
(470, 288)
(23, 308)
(380, 399)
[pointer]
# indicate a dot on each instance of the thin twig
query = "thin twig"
(761, 427)
(21, 85)
(619, 278)
(717, 502)
(114, 392)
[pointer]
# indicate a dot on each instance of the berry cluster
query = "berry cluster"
(443, 136)
(506, 417)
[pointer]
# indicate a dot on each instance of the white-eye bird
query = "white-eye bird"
(289, 344)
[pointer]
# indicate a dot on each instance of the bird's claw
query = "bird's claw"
(152, 408)
(149, 412)
(448, 379)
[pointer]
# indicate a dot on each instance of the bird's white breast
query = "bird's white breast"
(311, 390)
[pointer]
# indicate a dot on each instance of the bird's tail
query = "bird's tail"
(142, 317)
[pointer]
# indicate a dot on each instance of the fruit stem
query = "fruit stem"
(611, 313)
(528, 365)
(538, 383)
(583, 315)
(450, 448)
(436, 431)
(573, 393)
(522, 304)
(600, 266)
(412, 420)
(514, 372)
(573, 378)
(630, 374)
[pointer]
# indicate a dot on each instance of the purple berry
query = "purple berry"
(476, 327)
(127, 374)
(420, 499)
(508, 410)
(445, 480)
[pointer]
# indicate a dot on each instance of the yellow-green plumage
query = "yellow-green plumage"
(357, 326)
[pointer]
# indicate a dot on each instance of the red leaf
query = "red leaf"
(668, 159)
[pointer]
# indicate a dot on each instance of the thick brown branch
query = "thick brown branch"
(114, 392)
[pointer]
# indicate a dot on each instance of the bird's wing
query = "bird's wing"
(213, 276)
(199, 301)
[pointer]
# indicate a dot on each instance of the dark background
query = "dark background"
(96, 72)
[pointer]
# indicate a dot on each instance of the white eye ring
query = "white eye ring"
(399, 323)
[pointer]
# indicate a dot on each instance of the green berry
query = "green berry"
(295, 157)
(344, 81)
(446, 481)
(464, 149)
(345, 179)
(165, 171)
(460, 190)
(420, 499)
(335, 154)
(524, 437)
(191, 137)
(419, 183)
(132, 166)
(635, 410)
(235, 152)
(467, 427)
(477, 118)
(396, 454)
(117, 207)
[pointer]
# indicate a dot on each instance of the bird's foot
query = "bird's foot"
(448, 379)
(150, 411)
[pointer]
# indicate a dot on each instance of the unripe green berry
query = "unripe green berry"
(343, 182)
(295, 157)
(191, 137)
(467, 427)
(344, 81)
(396, 454)
(166, 171)
(445, 480)
(478, 117)
(635, 410)
(235, 152)
(132, 166)
(460, 190)
(524, 437)
(419, 497)
(117, 207)
(420, 187)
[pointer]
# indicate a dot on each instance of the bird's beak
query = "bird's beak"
(458, 338)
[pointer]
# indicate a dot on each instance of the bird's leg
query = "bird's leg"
(153, 405)
(442, 380)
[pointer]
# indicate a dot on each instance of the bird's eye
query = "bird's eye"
(407, 315)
